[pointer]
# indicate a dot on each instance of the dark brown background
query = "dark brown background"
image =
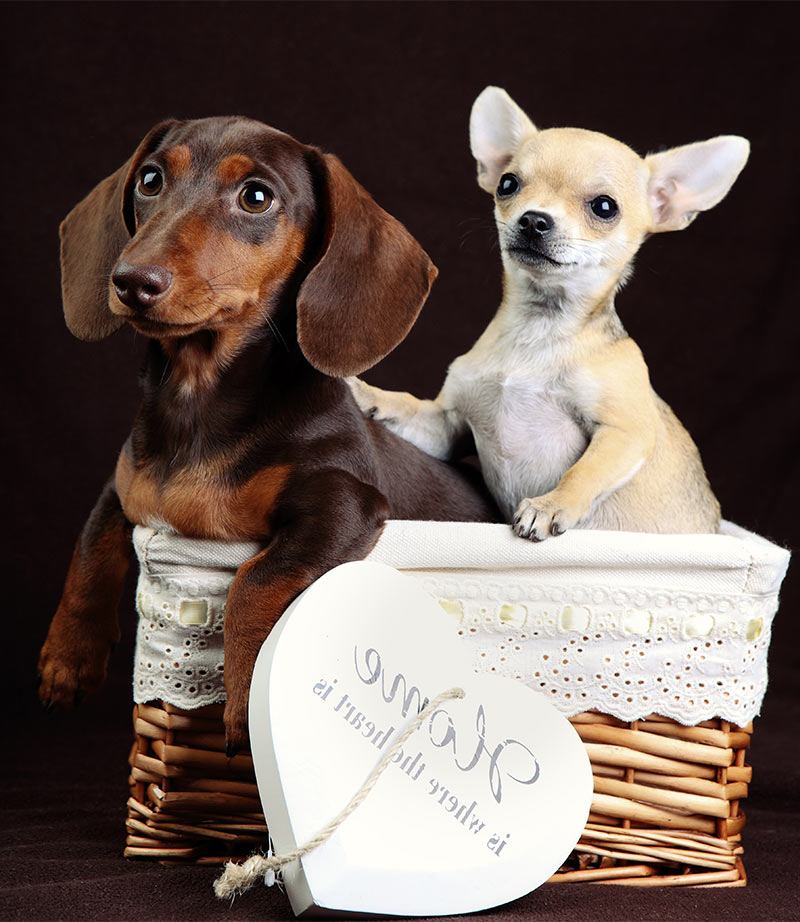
(388, 87)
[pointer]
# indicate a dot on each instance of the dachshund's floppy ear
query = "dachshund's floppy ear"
(364, 293)
(93, 235)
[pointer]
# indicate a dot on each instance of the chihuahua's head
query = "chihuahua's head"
(573, 206)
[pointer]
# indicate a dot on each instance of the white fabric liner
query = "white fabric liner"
(625, 623)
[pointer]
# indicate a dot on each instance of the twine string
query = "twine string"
(237, 878)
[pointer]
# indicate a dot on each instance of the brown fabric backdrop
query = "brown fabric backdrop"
(388, 87)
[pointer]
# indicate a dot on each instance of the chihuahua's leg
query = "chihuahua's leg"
(431, 425)
(613, 457)
(625, 438)
(85, 627)
(329, 519)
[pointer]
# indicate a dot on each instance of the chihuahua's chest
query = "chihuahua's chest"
(526, 429)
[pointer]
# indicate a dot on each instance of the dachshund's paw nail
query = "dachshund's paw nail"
(48, 706)
(372, 412)
(236, 739)
(235, 720)
(556, 529)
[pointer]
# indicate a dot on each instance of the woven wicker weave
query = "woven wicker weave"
(665, 811)
(189, 802)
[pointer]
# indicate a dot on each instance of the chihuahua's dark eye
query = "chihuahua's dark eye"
(604, 207)
(255, 197)
(508, 185)
(150, 181)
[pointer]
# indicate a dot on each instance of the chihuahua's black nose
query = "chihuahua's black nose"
(141, 287)
(536, 223)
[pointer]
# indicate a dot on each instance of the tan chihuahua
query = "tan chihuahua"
(557, 396)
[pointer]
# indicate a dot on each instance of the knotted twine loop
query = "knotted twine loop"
(237, 878)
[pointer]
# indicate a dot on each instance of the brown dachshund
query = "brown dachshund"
(262, 273)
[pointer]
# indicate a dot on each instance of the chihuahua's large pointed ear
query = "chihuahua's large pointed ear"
(364, 293)
(93, 235)
(497, 127)
(693, 178)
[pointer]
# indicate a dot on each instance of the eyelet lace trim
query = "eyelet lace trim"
(626, 652)
(580, 630)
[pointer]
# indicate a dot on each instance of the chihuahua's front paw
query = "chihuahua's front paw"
(365, 396)
(70, 671)
(543, 516)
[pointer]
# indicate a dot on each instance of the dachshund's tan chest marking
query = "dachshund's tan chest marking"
(196, 502)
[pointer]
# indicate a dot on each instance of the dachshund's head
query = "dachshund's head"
(205, 226)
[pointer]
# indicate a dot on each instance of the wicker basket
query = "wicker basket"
(665, 810)
(601, 622)
(189, 801)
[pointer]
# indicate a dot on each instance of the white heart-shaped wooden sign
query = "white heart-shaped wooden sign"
(483, 803)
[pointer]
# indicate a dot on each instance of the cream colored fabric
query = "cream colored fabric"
(623, 622)
(180, 597)
(626, 623)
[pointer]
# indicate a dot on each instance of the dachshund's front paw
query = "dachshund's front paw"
(237, 736)
(70, 671)
(543, 516)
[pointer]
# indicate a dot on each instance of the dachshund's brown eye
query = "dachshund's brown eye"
(255, 197)
(150, 181)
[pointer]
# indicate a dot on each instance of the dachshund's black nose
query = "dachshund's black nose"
(536, 223)
(141, 287)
